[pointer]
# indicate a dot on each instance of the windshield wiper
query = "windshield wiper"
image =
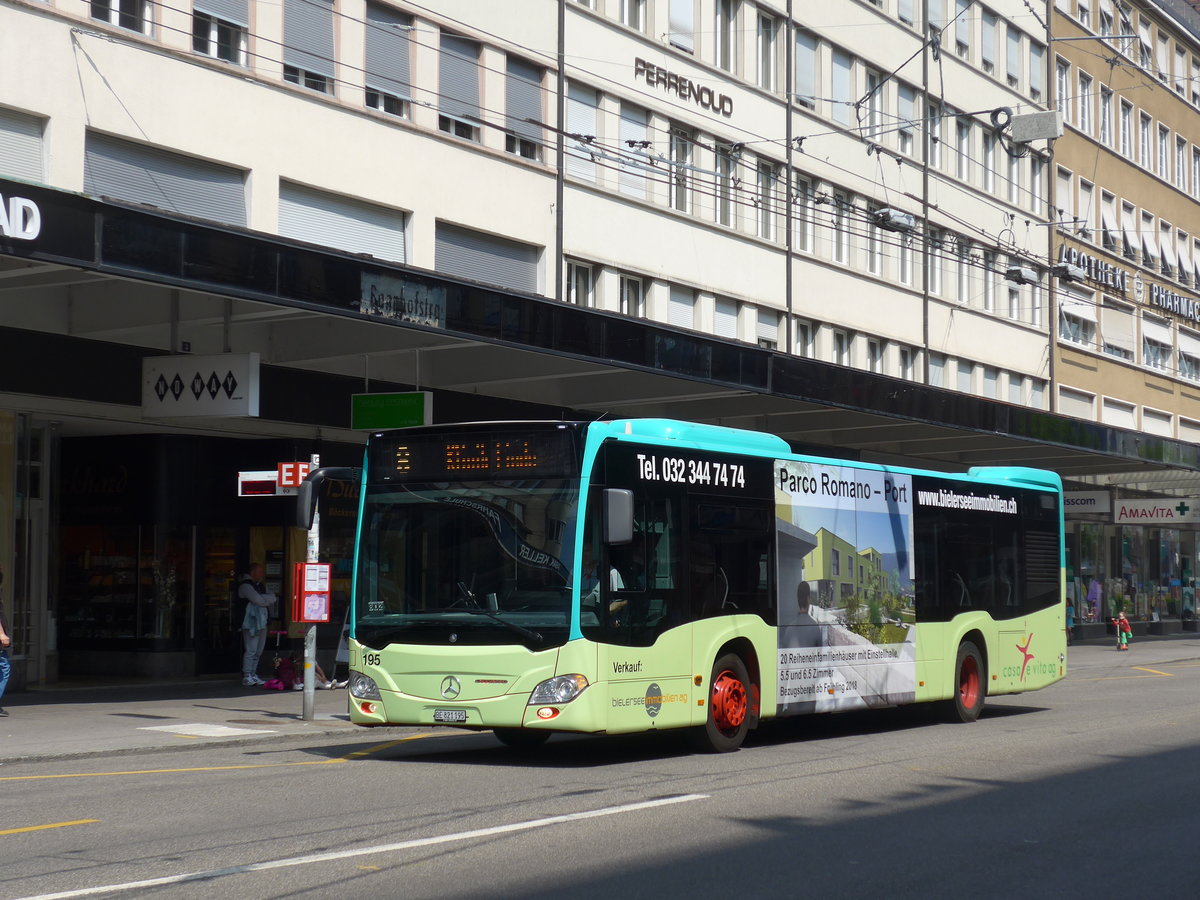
(512, 626)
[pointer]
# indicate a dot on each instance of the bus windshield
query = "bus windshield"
(473, 563)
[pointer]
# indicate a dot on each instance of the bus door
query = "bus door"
(634, 602)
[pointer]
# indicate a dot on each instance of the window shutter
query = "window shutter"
(581, 120)
(321, 218)
(234, 11)
(387, 51)
(20, 146)
(682, 312)
(725, 317)
(458, 78)
(141, 174)
(484, 257)
(308, 35)
(523, 99)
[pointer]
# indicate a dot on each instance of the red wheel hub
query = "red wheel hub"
(968, 683)
(729, 701)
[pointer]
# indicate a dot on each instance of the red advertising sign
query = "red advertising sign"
(291, 474)
(310, 592)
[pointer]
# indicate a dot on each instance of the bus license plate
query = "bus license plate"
(449, 715)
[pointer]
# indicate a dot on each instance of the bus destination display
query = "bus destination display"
(483, 455)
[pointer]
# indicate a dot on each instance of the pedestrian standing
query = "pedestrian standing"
(257, 600)
(1070, 621)
(1123, 631)
(5, 643)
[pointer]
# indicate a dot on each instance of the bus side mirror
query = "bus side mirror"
(618, 516)
(306, 494)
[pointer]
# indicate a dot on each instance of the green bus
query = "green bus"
(646, 574)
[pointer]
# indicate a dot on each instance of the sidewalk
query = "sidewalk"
(100, 720)
(79, 720)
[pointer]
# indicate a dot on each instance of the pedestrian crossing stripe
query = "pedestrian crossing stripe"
(202, 729)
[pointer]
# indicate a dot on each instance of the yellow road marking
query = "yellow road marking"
(357, 754)
(1155, 671)
(51, 825)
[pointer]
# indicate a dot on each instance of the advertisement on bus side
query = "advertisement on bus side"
(845, 572)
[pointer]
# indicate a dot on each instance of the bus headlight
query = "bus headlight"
(559, 689)
(363, 688)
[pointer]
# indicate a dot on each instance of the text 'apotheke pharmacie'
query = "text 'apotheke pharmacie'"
(683, 87)
(20, 218)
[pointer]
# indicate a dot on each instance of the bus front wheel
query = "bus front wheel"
(970, 684)
(730, 697)
(521, 738)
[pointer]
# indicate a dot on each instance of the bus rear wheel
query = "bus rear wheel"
(521, 738)
(729, 707)
(970, 684)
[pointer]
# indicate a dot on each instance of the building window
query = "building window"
(874, 257)
(1013, 57)
(218, 38)
(308, 44)
(682, 25)
(681, 164)
(806, 69)
(804, 338)
(989, 280)
(962, 28)
(907, 366)
(633, 14)
(964, 270)
(937, 370)
(989, 161)
(906, 259)
(579, 284)
(1076, 329)
(633, 297)
(842, 87)
(962, 139)
(933, 129)
(1062, 88)
(388, 88)
(768, 29)
(1085, 103)
(1145, 132)
(987, 46)
(458, 86)
(635, 140)
(724, 184)
(841, 348)
(1126, 126)
(523, 109)
(1156, 354)
(802, 215)
(132, 14)
(768, 181)
(1181, 167)
(874, 355)
(841, 233)
(966, 376)
(874, 104)
(933, 254)
(726, 12)
(1164, 152)
(907, 97)
(1037, 70)
(1189, 366)
(1106, 132)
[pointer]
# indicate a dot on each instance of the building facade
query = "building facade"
(844, 189)
(1127, 181)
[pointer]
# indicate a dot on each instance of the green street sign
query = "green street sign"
(378, 412)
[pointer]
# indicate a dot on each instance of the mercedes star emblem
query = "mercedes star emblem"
(450, 687)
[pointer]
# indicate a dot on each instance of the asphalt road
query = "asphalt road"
(1088, 789)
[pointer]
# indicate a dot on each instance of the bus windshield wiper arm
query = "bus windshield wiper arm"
(519, 629)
